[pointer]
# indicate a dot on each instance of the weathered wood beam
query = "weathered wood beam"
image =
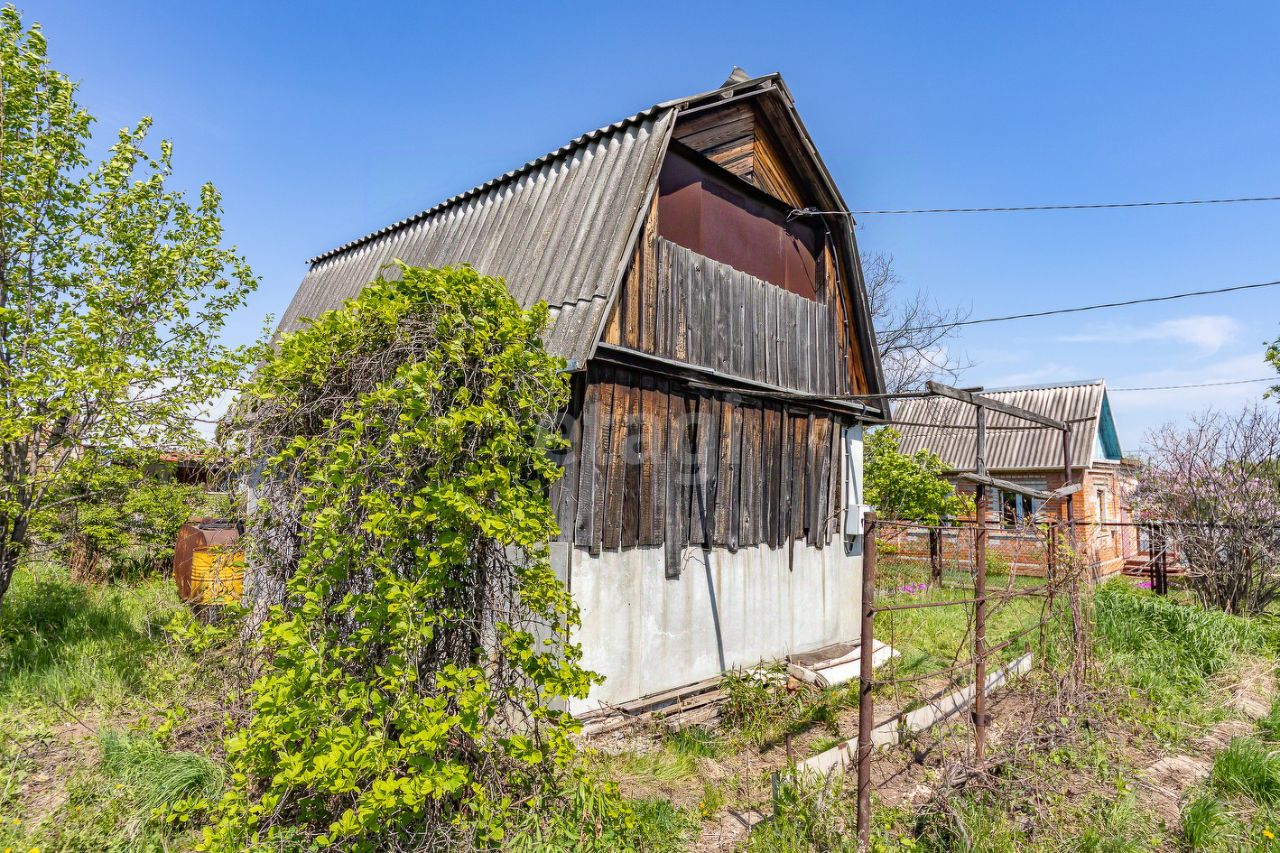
(994, 405)
(1006, 486)
(1066, 490)
(693, 373)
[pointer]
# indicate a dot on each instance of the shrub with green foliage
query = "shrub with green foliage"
(420, 655)
(116, 514)
(908, 487)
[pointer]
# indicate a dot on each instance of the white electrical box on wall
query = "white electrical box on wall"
(854, 507)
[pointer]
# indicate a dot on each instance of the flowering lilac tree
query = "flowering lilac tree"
(1216, 485)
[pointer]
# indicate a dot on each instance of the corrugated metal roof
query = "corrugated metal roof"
(1029, 448)
(557, 229)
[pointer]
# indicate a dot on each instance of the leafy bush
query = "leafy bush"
(115, 514)
(419, 655)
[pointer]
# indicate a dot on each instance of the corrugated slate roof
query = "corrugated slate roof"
(557, 229)
(1030, 448)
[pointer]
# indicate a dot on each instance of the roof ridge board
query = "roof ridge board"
(1049, 386)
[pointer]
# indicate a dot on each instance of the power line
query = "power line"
(1272, 379)
(808, 211)
(1078, 309)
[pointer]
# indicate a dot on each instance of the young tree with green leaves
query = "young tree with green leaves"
(114, 290)
(908, 487)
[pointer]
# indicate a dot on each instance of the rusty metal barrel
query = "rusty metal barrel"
(208, 563)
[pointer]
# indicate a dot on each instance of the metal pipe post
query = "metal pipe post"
(935, 557)
(980, 601)
(866, 707)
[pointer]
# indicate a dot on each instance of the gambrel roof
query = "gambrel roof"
(562, 228)
(951, 435)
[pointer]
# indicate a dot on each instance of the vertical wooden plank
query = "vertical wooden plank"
(766, 477)
(792, 333)
(564, 492)
(748, 482)
(653, 455)
(786, 488)
(720, 315)
(767, 333)
(773, 477)
(733, 488)
(632, 453)
(815, 486)
(822, 489)
(689, 447)
(680, 301)
(614, 455)
(833, 354)
(815, 351)
(835, 484)
(758, 475)
(725, 471)
(799, 474)
(702, 517)
(806, 341)
(750, 290)
(631, 293)
(661, 310)
(675, 531)
(591, 480)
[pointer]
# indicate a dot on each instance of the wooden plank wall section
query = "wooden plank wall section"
(705, 313)
(736, 138)
(655, 463)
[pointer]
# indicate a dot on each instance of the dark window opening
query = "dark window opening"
(714, 215)
(1016, 510)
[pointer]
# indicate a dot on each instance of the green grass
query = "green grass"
(698, 742)
(1238, 806)
(1247, 768)
(1208, 825)
(64, 644)
(935, 638)
(120, 803)
(1166, 654)
(77, 658)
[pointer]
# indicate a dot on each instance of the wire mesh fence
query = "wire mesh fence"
(962, 614)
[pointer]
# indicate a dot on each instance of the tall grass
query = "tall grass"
(155, 776)
(1250, 769)
(1170, 651)
(62, 644)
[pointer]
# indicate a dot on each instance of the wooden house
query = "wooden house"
(709, 510)
(1031, 455)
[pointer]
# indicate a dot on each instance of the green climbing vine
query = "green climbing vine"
(417, 658)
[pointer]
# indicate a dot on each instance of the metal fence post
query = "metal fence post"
(866, 707)
(980, 601)
(935, 557)
(1162, 567)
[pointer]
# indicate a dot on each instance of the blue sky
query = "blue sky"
(322, 121)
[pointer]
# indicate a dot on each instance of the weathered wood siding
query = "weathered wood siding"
(689, 308)
(655, 463)
(735, 137)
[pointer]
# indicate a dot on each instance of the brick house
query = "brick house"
(1033, 456)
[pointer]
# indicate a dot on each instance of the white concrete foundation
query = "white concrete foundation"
(646, 633)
